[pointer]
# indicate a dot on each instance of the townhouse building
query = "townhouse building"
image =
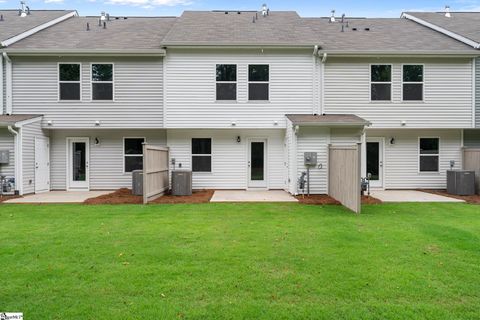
(238, 97)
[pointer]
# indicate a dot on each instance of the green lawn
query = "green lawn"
(231, 261)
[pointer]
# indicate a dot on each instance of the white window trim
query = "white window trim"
(202, 155)
(112, 82)
(236, 82)
(130, 155)
(418, 82)
(261, 82)
(59, 81)
(380, 82)
(429, 155)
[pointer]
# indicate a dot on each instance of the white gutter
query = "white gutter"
(28, 33)
(322, 81)
(86, 52)
(8, 87)
(18, 159)
(1, 84)
(451, 34)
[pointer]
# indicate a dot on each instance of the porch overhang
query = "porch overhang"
(18, 120)
(327, 120)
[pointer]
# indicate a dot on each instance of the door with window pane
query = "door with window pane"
(78, 164)
(257, 163)
(375, 162)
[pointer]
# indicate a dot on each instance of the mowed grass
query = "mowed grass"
(240, 261)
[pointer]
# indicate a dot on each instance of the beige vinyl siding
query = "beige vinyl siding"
(448, 93)
(229, 158)
(138, 93)
(106, 158)
(7, 142)
(191, 88)
(314, 139)
(401, 163)
(29, 132)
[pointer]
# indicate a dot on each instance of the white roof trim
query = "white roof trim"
(451, 34)
(20, 124)
(28, 33)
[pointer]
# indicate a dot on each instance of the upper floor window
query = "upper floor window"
(258, 81)
(69, 81)
(226, 76)
(429, 154)
(412, 83)
(102, 81)
(133, 154)
(202, 155)
(381, 82)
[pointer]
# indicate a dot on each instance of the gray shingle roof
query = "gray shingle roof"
(215, 28)
(237, 28)
(327, 119)
(11, 120)
(466, 24)
(13, 24)
(388, 35)
(130, 33)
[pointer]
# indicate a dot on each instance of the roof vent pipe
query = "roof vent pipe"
(28, 10)
(99, 22)
(23, 10)
(264, 10)
(332, 18)
(104, 25)
(1, 17)
(108, 16)
(343, 18)
(447, 12)
(88, 26)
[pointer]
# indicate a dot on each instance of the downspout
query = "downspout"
(315, 84)
(322, 80)
(2, 111)
(8, 72)
(18, 159)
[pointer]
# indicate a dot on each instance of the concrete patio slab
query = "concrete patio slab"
(410, 196)
(252, 196)
(59, 197)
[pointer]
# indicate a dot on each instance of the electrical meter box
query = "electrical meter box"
(310, 158)
(4, 156)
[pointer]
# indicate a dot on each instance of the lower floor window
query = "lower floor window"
(202, 155)
(133, 153)
(429, 154)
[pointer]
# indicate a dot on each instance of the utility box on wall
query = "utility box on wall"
(310, 158)
(4, 156)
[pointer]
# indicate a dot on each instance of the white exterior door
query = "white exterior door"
(257, 163)
(375, 147)
(42, 164)
(78, 157)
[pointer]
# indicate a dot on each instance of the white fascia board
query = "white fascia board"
(20, 124)
(451, 34)
(28, 33)
(86, 52)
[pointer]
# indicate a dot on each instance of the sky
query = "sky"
(306, 8)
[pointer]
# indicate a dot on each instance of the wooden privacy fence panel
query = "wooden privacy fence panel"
(471, 161)
(344, 175)
(155, 172)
